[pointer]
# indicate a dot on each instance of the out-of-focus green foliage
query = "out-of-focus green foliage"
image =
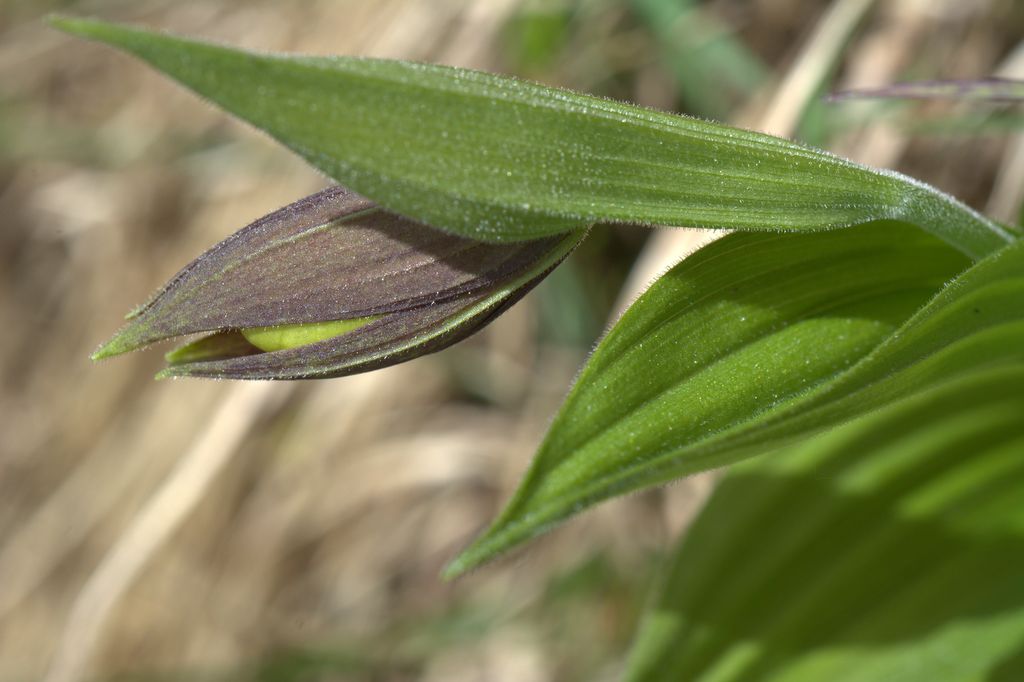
(715, 72)
(889, 549)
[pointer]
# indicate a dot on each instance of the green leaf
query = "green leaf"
(747, 345)
(888, 549)
(501, 159)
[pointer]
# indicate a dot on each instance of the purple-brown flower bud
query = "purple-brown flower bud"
(333, 285)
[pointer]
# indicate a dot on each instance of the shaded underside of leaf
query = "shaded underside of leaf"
(888, 549)
(501, 159)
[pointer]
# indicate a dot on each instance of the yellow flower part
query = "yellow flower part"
(285, 336)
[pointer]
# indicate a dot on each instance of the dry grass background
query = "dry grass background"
(191, 529)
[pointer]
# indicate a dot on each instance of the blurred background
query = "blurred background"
(215, 531)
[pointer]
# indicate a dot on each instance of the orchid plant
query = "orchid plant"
(854, 350)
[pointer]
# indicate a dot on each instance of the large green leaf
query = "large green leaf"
(502, 159)
(747, 345)
(889, 549)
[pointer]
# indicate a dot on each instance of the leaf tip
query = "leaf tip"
(113, 34)
(456, 568)
(76, 26)
(485, 547)
(166, 373)
(128, 338)
(114, 346)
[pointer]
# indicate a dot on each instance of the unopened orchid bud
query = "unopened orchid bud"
(333, 285)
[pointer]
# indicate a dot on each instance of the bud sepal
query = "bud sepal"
(333, 285)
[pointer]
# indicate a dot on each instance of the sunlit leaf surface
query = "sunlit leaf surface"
(748, 345)
(888, 549)
(503, 159)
